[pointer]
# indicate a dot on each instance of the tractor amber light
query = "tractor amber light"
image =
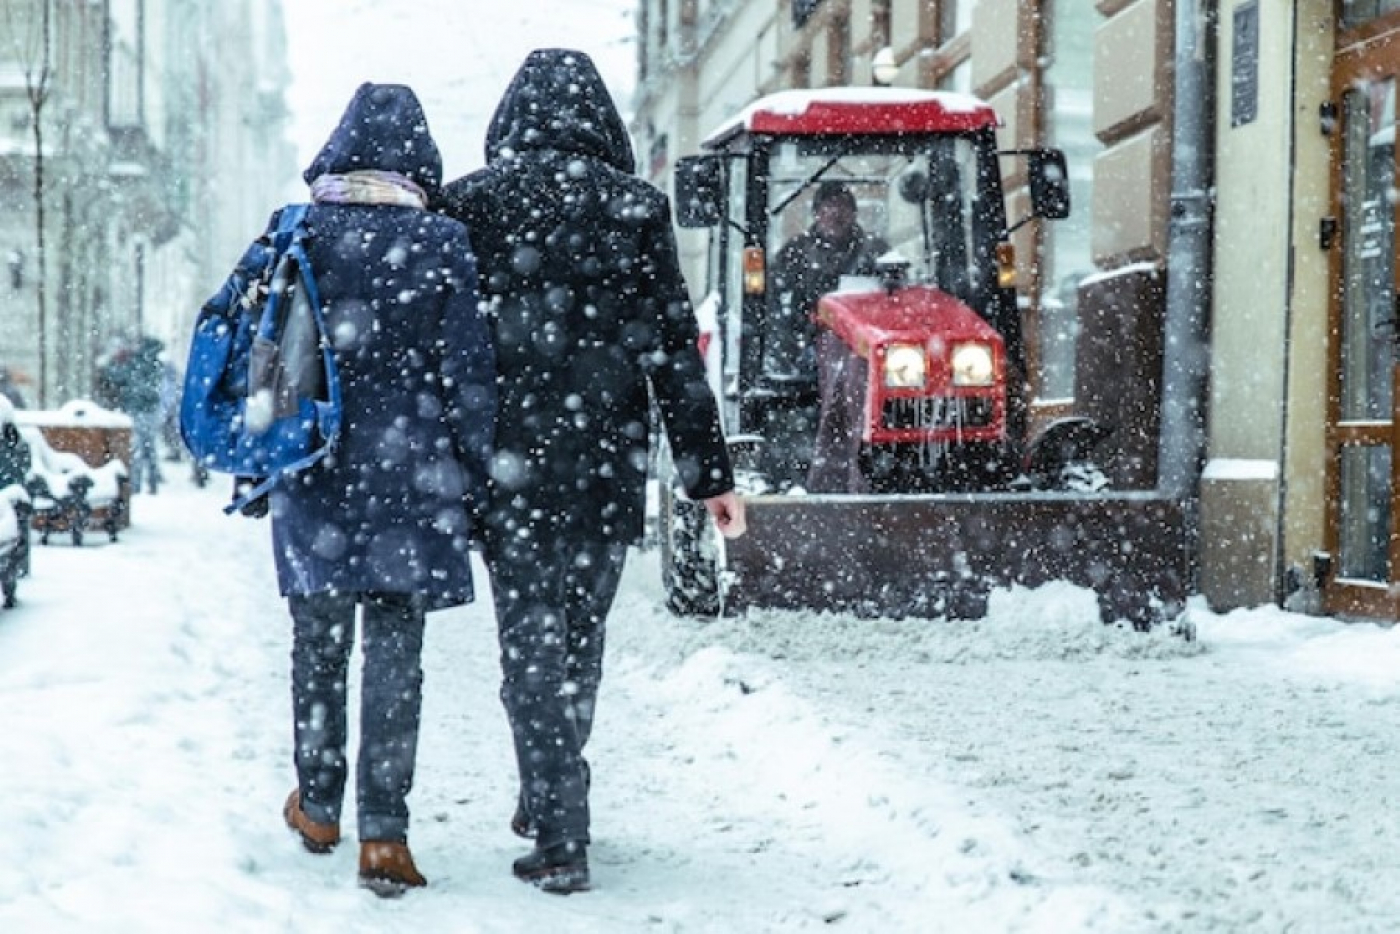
(1006, 266)
(753, 270)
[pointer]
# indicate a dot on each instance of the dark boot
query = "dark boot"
(521, 823)
(316, 837)
(387, 869)
(561, 869)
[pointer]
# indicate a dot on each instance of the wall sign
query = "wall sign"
(1244, 65)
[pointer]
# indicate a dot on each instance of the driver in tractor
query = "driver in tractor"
(808, 266)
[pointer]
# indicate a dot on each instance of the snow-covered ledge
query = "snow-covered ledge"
(76, 413)
(1235, 468)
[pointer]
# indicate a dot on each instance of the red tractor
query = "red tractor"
(867, 353)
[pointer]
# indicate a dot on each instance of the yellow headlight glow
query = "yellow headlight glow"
(972, 365)
(905, 366)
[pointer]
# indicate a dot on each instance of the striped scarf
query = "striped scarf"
(371, 186)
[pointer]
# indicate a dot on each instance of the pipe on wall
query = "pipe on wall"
(1186, 356)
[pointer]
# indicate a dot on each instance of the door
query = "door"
(1362, 479)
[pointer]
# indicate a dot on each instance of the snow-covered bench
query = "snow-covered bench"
(78, 478)
(67, 494)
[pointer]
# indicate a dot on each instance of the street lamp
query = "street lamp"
(883, 68)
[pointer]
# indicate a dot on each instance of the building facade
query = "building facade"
(139, 141)
(1224, 293)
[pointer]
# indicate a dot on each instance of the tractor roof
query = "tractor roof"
(826, 111)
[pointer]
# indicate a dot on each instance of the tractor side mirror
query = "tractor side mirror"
(699, 191)
(1049, 183)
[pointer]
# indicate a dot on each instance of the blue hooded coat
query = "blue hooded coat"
(390, 509)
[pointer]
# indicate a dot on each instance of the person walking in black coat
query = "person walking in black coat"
(383, 524)
(589, 311)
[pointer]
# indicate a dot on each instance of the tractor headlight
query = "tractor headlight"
(972, 365)
(905, 366)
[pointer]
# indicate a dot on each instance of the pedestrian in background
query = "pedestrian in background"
(9, 388)
(170, 410)
(589, 311)
(130, 382)
(383, 524)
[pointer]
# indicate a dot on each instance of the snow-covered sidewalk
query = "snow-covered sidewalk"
(782, 772)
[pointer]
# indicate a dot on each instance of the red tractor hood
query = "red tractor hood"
(916, 314)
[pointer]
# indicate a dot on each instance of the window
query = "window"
(1069, 92)
(644, 52)
(953, 25)
(1368, 254)
(1356, 12)
(954, 18)
(724, 260)
(957, 78)
(802, 11)
(125, 107)
(880, 23)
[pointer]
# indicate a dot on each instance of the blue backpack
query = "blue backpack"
(261, 394)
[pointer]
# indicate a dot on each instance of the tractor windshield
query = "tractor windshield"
(840, 204)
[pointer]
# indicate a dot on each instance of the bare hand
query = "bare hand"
(727, 510)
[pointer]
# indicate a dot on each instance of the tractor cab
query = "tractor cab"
(868, 332)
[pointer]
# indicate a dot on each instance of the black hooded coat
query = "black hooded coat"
(388, 509)
(577, 258)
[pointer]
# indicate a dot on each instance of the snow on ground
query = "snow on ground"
(1034, 772)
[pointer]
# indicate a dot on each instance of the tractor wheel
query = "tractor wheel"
(689, 556)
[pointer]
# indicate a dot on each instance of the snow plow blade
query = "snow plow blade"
(940, 555)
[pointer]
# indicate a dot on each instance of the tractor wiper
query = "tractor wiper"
(825, 167)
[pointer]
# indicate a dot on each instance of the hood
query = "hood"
(383, 128)
(871, 317)
(557, 100)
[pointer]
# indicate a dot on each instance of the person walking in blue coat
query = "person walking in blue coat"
(592, 320)
(383, 525)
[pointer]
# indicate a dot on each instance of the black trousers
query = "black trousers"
(552, 599)
(391, 700)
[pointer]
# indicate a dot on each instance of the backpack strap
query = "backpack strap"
(288, 222)
(265, 485)
(276, 240)
(288, 227)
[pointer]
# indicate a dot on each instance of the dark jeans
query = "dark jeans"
(391, 698)
(551, 602)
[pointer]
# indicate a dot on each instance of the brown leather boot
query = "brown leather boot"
(387, 869)
(316, 837)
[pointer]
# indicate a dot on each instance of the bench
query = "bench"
(77, 480)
